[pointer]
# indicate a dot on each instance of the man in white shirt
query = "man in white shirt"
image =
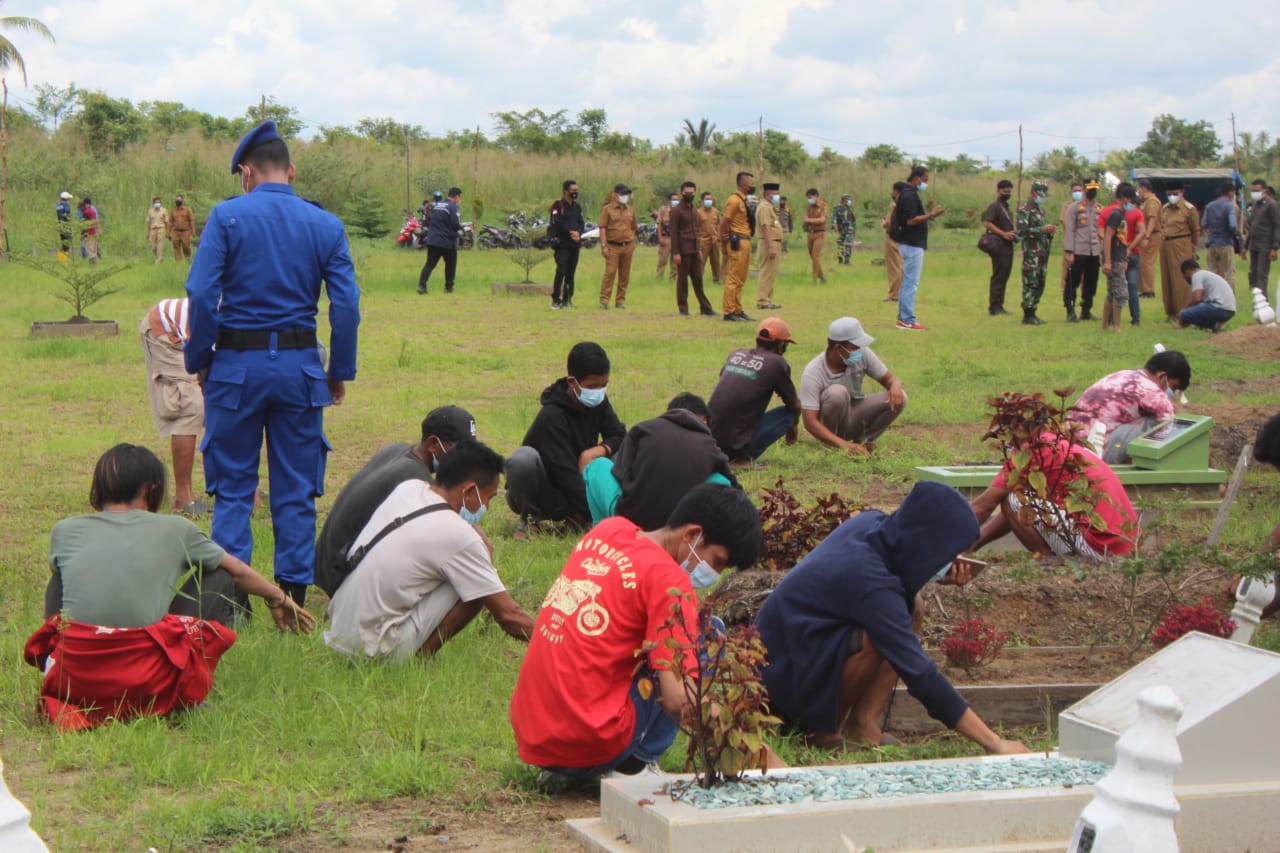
(1213, 299)
(422, 568)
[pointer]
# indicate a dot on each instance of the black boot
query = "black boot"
(1071, 313)
(1029, 318)
(296, 591)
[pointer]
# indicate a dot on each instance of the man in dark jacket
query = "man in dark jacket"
(575, 426)
(658, 463)
(841, 627)
(1264, 234)
(442, 240)
(565, 234)
(686, 254)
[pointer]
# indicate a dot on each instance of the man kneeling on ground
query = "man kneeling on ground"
(421, 570)
(841, 628)
(577, 709)
(1131, 402)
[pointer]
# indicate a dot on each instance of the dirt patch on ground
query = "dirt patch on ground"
(1254, 342)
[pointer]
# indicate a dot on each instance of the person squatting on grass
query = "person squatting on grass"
(577, 709)
(421, 568)
(842, 626)
(137, 610)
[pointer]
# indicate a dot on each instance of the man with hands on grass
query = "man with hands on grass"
(585, 702)
(833, 406)
(841, 628)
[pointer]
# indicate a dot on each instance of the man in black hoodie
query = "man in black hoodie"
(658, 463)
(841, 627)
(575, 426)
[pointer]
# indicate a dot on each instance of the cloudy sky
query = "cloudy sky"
(933, 78)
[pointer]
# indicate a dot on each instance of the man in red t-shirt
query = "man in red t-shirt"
(1136, 228)
(577, 708)
(1070, 534)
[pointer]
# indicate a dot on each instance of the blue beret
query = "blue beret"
(265, 132)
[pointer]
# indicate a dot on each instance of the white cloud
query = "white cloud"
(960, 25)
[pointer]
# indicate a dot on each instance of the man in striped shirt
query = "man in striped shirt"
(176, 399)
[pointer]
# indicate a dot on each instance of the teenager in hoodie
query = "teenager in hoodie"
(575, 425)
(841, 627)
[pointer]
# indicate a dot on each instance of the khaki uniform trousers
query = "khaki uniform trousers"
(181, 245)
(157, 240)
(1222, 260)
(736, 266)
(893, 266)
(617, 264)
(1173, 286)
(817, 239)
(1147, 266)
(665, 258)
(768, 273)
(711, 252)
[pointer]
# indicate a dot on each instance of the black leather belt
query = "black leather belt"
(624, 244)
(1178, 237)
(245, 339)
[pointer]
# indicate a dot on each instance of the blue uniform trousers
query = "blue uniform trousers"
(281, 393)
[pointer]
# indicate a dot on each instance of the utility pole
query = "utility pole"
(1019, 190)
(408, 199)
(262, 109)
(760, 137)
(1235, 147)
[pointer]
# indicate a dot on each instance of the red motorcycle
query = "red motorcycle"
(412, 235)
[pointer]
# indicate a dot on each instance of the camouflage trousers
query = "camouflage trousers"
(1033, 269)
(846, 245)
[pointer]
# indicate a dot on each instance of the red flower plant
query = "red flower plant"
(1185, 618)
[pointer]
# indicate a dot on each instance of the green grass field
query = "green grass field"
(295, 739)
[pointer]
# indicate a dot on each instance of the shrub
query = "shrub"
(1184, 618)
(791, 531)
(973, 643)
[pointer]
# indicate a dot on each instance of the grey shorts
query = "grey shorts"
(1117, 282)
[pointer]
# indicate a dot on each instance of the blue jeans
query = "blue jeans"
(1132, 276)
(655, 731)
(776, 423)
(912, 264)
(1204, 315)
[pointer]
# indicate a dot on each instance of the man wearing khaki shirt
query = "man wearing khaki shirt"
(769, 235)
(157, 227)
(618, 230)
(1152, 239)
(709, 235)
(1180, 224)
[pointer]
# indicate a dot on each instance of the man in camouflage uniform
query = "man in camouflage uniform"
(1036, 234)
(846, 223)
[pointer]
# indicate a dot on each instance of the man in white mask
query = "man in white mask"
(1180, 227)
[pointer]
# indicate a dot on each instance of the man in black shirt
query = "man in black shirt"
(913, 240)
(748, 381)
(999, 221)
(565, 233)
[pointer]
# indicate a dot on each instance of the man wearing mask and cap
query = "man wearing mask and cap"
(587, 701)
(575, 425)
(842, 626)
(565, 231)
(835, 410)
(423, 569)
(442, 429)
(1180, 227)
(998, 220)
(1036, 234)
(618, 230)
(1082, 253)
(845, 221)
(749, 379)
(686, 252)
(254, 289)
(157, 228)
(182, 227)
(735, 241)
(63, 211)
(769, 236)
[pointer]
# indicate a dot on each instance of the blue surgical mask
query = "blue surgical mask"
(591, 397)
(707, 202)
(774, 198)
(941, 573)
(1040, 200)
(853, 358)
(701, 575)
(472, 518)
(1077, 195)
(156, 205)
(811, 201)
(674, 202)
(1129, 206)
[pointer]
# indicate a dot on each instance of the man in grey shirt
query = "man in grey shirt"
(1222, 226)
(1213, 300)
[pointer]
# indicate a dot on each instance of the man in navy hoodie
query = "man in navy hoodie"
(575, 425)
(841, 627)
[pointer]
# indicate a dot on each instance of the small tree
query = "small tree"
(366, 216)
(82, 282)
(527, 258)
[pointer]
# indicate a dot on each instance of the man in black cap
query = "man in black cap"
(254, 287)
(618, 230)
(565, 233)
(442, 428)
(998, 220)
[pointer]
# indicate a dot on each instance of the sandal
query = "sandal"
(196, 509)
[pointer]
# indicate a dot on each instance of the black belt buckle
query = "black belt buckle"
(256, 339)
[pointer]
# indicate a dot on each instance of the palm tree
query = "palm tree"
(700, 136)
(11, 58)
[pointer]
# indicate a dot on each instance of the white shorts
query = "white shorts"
(1065, 539)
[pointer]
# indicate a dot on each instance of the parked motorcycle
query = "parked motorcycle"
(467, 236)
(413, 234)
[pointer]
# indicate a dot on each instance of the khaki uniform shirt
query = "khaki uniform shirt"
(618, 223)
(735, 215)
(157, 220)
(767, 225)
(819, 209)
(1179, 220)
(708, 222)
(664, 222)
(1151, 213)
(182, 219)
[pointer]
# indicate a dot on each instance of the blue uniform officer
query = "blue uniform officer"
(254, 288)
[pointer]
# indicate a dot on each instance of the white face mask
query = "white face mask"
(1174, 198)
(924, 185)
(706, 202)
(624, 198)
(1256, 196)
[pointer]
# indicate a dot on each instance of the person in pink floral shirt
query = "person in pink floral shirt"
(1130, 402)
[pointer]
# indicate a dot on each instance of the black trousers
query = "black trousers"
(1083, 274)
(1001, 267)
(434, 254)
(566, 267)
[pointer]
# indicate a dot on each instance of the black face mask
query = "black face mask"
(178, 202)
(573, 194)
(1091, 194)
(1005, 196)
(688, 197)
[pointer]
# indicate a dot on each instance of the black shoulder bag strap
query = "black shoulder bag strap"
(359, 554)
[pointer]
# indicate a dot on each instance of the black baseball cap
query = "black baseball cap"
(449, 423)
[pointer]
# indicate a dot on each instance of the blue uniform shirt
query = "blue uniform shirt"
(258, 267)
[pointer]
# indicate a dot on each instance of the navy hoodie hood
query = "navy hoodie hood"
(932, 526)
